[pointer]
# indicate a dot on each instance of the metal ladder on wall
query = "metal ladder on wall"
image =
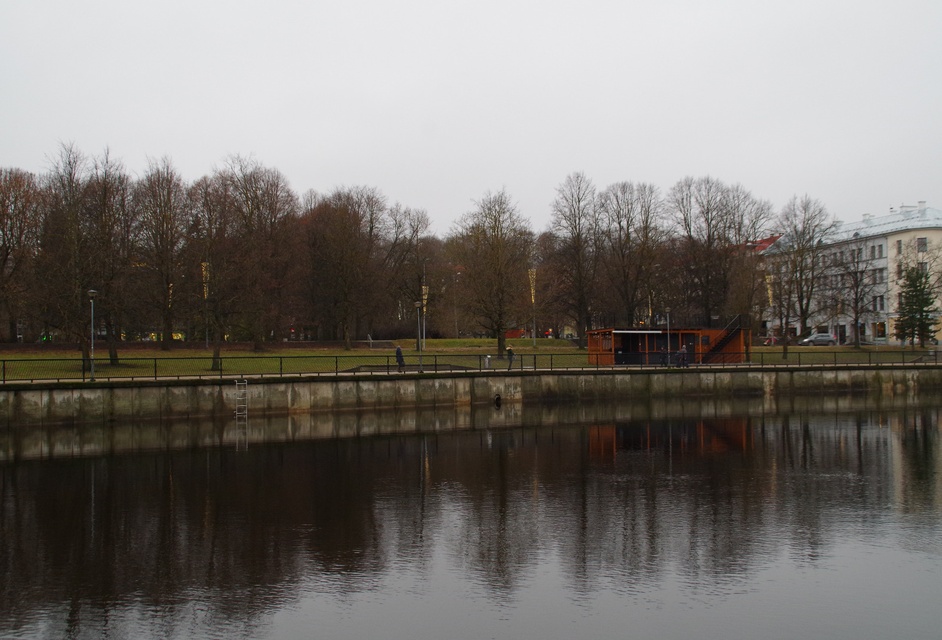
(242, 414)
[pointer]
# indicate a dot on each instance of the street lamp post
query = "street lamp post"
(668, 310)
(532, 274)
(454, 294)
(91, 296)
(418, 331)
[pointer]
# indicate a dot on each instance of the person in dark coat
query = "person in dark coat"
(510, 358)
(400, 361)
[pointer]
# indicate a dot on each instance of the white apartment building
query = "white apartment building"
(882, 244)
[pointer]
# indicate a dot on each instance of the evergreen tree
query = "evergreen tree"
(917, 307)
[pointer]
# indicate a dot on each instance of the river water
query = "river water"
(806, 525)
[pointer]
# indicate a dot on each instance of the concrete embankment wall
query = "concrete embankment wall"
(104, 401)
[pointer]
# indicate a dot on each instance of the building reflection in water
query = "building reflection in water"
(207, 538)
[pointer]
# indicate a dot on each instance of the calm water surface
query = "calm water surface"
(801, 526)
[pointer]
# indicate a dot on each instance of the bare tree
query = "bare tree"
(552, 306)
(212, 240)
(749, 219)
(576, 224)
(353, 247)
(807, 229)
(163, 214)
(698, 207)
(716, 224)
(493, 243)
(849, 285)
(632, 239)
(110, 228)
(420, 264)
(64, 262)
(263, 209)
(781, 287)
(20, 200)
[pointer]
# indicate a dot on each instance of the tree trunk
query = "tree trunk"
(167, 332)
(217, 357)
(112, 345)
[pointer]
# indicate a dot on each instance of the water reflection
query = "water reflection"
(512, 531)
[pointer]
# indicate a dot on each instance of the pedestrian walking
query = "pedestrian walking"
(682, 356)
(510, 358)
(400, 361)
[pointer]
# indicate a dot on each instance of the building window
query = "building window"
(899, 270)
(879, 250)
(879, 329)
(922, 245)
(873, 252)
(899, 247)
(923, 267)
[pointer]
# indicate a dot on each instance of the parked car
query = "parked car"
(819, 339)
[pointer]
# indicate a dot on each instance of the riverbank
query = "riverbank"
(22, 405)
(129, 436)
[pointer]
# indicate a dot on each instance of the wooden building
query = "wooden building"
(643, 346)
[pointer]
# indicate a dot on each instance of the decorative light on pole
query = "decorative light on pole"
(418, 330)
(204, 268)
(91, 355)
(424, 309)
(532, 273)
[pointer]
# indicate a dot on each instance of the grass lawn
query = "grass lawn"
(184, 350)
(881, 354)
(143, 361)
(149, 361)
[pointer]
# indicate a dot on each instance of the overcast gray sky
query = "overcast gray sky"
(437, 102)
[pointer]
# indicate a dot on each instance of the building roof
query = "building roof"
(906, 218)
(762, 245)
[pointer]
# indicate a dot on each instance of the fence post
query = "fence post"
(336, 365)
(281, 368)
(155, 368)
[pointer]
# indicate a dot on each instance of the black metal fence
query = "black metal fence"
(130, 368)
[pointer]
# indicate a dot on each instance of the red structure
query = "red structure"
(644, 346)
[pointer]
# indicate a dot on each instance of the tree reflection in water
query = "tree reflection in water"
(651, 514)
